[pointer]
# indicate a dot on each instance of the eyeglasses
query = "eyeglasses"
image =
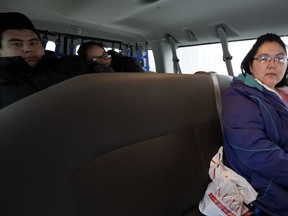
(267, 58)
(99, 59)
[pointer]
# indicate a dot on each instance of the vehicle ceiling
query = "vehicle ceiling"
(188, 21)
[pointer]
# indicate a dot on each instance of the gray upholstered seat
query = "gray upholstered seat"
(110, 144)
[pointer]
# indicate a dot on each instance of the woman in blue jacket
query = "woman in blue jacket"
(255, 123)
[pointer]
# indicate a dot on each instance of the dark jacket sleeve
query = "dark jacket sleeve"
(134, 66)
(99, 68)
(126, 64)
(54, 70)
(73, 65)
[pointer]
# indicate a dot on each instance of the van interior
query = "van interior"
(161, 26)
(127, 144)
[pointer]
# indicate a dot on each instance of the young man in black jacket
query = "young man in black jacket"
(24, 66)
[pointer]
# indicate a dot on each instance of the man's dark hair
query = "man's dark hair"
(82, 51)
(15, 20)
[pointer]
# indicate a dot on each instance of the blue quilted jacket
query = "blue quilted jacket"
(255, 123)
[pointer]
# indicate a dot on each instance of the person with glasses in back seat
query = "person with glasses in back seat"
(24, 66)
(255, 124)
(94, 53)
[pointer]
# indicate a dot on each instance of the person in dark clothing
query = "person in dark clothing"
(25, 68)
(122, 63)
(89, 51)
(94, 52)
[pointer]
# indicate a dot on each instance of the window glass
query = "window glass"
(76, 49)
(210, 57)
(50, 46)
(151, 60)
(285, 40)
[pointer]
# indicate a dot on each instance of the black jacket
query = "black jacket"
(122, 63)
(18, 80)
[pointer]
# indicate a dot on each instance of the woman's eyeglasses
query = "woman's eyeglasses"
(267, 58)
(99, 59)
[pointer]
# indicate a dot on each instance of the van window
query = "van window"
(151, 60)
(210, 57)
(50, 46)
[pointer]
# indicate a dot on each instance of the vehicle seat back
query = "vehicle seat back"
(110, 144)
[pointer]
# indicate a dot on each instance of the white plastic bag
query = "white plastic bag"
(228, 191)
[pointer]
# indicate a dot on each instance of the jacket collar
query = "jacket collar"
(13, 68)
(264, 92)
(250, 81)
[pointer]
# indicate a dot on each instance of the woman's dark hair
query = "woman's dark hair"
(84, 47)
(248, 60)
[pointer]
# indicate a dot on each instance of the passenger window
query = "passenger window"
(50, 46)
(285, 40)
(76, 49)
(210, 57)
(201, 58)
(151, 61)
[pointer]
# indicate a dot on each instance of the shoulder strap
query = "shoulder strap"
(226, 55)
(218, 97)
(175, 59)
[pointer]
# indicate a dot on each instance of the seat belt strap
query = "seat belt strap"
(57, 47)
(71, 47)
(175, 59)
(129, 50)
(146, 57)
(44, 39)
(226, 55)
(218, 96)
